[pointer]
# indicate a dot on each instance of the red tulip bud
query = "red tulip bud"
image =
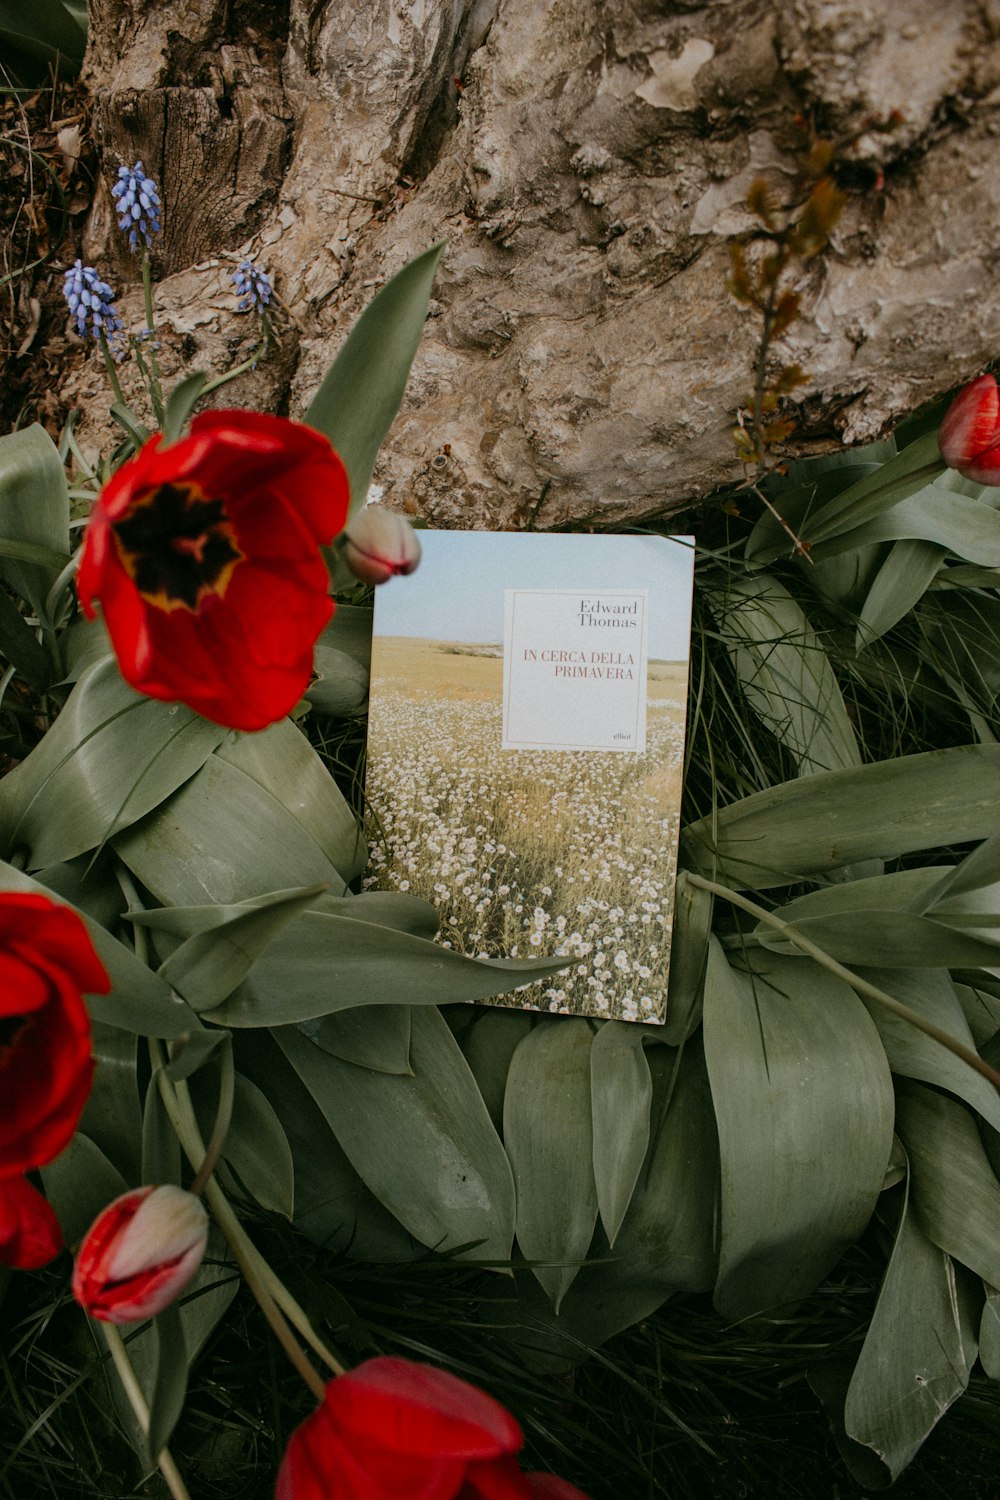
(140, 1253)
(378, 544)
(969, 438)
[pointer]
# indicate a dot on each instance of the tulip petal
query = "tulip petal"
(419, 1410)
(29, 1231)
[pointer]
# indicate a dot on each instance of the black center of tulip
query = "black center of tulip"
(178, 547)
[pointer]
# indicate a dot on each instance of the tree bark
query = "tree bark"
(588, 163)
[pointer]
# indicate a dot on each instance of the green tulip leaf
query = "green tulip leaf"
(34, 508)
(372, 1036)
(918, 1353)
(956, 1195)
(282, 762)
(549, 1135)
(209, 965)
(329, 960)
(226, 838)
(818, 824)
(333, 1206)
(110, 758)
(361, 393)
(488, 1045)
(161, 1151)
(21, 648)
(343, 663)
(901, 581)
(256, 1157)
(785, 673)
(621, 1094)
(170, 1381)
(931, 993)
(693, 908)
(804, 1108)
(80, 1184)
(423, 1143)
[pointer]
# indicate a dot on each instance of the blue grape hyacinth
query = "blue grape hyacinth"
(138, 203)
(253, 287)
(91, 302)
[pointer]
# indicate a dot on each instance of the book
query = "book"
(525, 751)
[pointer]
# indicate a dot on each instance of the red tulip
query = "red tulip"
(29, 1231)
(140, 1254)
(46, 962)
(969, 438)
(394, 1430)
(204, 555)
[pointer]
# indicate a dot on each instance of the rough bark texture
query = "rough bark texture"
(588, 170)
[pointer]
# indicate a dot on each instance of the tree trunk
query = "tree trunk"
(588, 162)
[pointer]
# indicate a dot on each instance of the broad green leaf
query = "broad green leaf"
(488, 1046)
(955, 1191)
(893, 939)
(343, 663)
(931, 993)
(971, 884)
(256, 1147)
(968, 528)
(138, 1001)
(903, 473)
(194, 1051)
(34, 504)
(223, 838)
(282, 761)
(424, 1144)
(44, 32)
(981, 1010)
(785, 673)
(170, 1380)
(803, 1104)
(21, 648)
(667, 1242)
(80, 1184)
(903, 578)
(548, 1135)
(361, 393)
(621, 1094)
(816, 824)
(329, 961)
(109, 759)
(989, 1334)
(209, 965)
(333, 1207)
(373, 1036)
(181, 403)
(918, 1352)
(693, 909)
(161, 1151)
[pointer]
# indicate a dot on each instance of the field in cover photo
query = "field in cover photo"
(526, 852)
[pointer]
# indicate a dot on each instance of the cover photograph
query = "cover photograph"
(525, 749)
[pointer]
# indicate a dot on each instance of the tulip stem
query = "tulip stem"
(859, 985)
(276, 1301)
(133, 1390)
(223, 1117)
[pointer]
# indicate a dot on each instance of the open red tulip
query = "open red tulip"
(205, 557)
(47, 962)
(396, 1430)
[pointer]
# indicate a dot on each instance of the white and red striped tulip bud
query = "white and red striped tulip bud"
(969, 438)
(379, 544)
(140, 1254)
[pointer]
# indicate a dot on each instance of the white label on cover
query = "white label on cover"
(574, 669)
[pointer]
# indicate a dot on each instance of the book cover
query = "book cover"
(525, 747)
